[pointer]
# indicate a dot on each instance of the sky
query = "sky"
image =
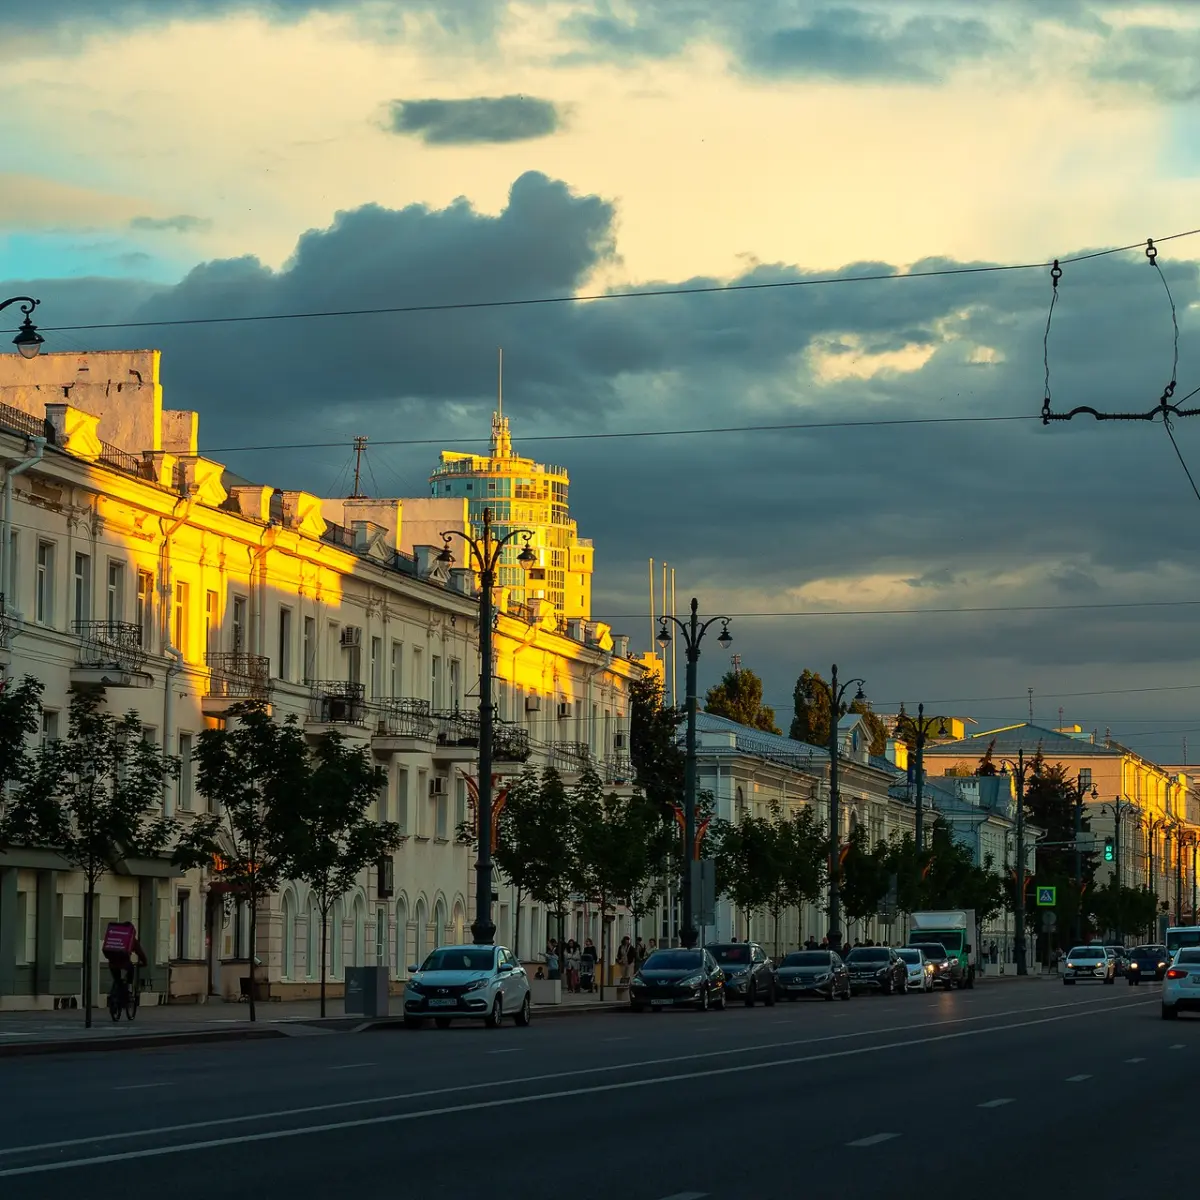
(179, 159)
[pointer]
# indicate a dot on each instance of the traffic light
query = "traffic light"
(1108, 849)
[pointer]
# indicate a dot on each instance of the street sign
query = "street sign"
(1049, 921)
(1047, 897)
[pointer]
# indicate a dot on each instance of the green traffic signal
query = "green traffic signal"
(1108, 849)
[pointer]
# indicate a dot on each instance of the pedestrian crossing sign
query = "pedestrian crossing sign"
(1046, 897)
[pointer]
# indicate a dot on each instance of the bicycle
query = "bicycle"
(124, 997)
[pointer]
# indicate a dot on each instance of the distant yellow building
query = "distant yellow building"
(530, 495)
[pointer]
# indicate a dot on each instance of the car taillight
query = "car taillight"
(1176, 973)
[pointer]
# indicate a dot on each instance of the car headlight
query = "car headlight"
(1162, 964)
(1070, 965)
(638, 981)
(823, 978)
(477, 985)
(414, 986)
(693, 981)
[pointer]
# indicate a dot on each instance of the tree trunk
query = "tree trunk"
(776, 932)
(324, 951)
(89, 951)
(253, 935)
(517, 927)
(603, 963)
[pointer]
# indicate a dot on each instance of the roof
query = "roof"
(1027, 737)
(759, 743)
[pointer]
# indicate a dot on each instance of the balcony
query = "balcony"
(235, 678)
(337, 704)
(510, 743)
(570, 758)
(618, 771)
(456, 736)
(110, 654)
(401, 724)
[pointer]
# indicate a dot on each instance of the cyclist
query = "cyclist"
(121, 947)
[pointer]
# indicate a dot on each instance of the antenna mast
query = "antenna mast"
(360, 448)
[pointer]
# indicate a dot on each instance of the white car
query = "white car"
(919, 968)
(456, 982)
(1091, 963)
(1181, 984)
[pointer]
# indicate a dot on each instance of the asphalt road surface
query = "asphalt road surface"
(983, 1093)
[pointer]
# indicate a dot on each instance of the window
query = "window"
(179, 621)
(397, 669)
(285, 643)
(460, 802)
(381, 803)
(441, 814)
(422, 802)
(212, 627)
(49, 726)
(114, 599)
(183, 931)
(418, 669)
(376, 667)
(354, 664)
(455, 684)
(435, 681)
(239, 624)
(82, 592)
(43, 600)
(402, 799)
(145, 607)
(14, 544)
(185, 771)
(310, 649)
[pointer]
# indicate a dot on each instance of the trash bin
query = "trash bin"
(366, 992)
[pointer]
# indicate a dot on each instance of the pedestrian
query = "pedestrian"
(640, 952)
(552, 960)
(589, 951)
(652, 946)
(626, 959)
(993, 951)
(824, 943)
(572, 959)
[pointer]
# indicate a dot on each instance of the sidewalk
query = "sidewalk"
(23, 1033)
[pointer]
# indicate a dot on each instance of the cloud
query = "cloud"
(181, 223)
(35, 202)
(481, 119)
(1160, 62)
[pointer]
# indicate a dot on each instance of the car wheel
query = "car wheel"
(1169, 1012)
(702, 1003)
(721, 1001)
(846, 994)
(525, 1013)
(829, 994)
(1131, 981)
(413, 1022)
(971, 980)
(751, 995)
(1110, 979)
(442, 1022)
(496, 1016)
(770, 1000)
(1068, 982)
(636, 1007)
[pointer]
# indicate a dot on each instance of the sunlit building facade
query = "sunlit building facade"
(136, 567)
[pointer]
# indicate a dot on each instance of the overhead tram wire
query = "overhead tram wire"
(637, 294)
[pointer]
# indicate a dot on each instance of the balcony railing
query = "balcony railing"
(337, 702)
(111, 644)
(618, 770)
(510, 743)
(234, 675)
(457, 728)
(403, 717)
(570, 757)
(120, 460)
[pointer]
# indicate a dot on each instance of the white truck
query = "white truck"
(955, 929)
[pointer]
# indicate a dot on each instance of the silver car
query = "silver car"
(919, 968)
(455, 982)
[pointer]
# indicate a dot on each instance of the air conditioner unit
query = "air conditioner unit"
(533, 704)
(387, 879)
(564, 710)
(437, 785)
(352, 636)
(620, 741)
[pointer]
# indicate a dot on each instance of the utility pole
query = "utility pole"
(360, 448)
(1019, 878)
(1083, 787)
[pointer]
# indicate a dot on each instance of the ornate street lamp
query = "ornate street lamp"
(485, 553)
(28, 341)
(1083, 787)
(920, 728)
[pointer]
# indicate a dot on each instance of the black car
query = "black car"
(749, 973)
(947, 970)
(678, 979)
(876, 969)
(813, 973)
(1146, 962)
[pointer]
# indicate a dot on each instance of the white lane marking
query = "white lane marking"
(137, 1087)
(1177, 1046)
(510, 1050)
(1135, 1060)
(1077, 1078)
(625, 1038)
(16, 1035)
(874, 1139)
(686, 1196)
(996, 1103)
(473, 1105)
(350, 1066)
(1078, 1009)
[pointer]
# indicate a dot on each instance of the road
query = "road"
(994, 1088)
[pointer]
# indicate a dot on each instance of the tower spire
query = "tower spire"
(501, 441)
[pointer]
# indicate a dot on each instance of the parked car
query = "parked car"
(678, 978)
(480, 982)
(813, 973)
(1122, 958)
(947, 968)
(1181, 984)
(1089, 963)
(749, 973)
(1146, 962)
(876, 969)
(920, 969)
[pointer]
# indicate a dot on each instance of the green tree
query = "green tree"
(738, 697)
(747, 862)
(810, 722)
(255, 773)
(866, 875)
(94, 798)
(800, 846)
(20, 711)
(331, 836)
(654, 750)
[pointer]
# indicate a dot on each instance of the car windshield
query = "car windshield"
(933, 950)
(1086, 952)
(867, 954)
(1182, 937)
(1190, 957)
(807, 958)
(673, 960)
(730, 954)
(460, 958)
(910, 956)
(1158, 952)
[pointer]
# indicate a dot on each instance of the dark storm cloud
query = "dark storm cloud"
(180, 223)
(1162, 62)
(478, 120)
(978, 514)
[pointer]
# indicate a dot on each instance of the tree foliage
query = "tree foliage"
(738, 697)
(811, 719)
(1118, 911)
(94, 798)
(20, 711)
(866, 875)
(654, 750)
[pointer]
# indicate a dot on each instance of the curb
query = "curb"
(147, 1041)
(384, 1024)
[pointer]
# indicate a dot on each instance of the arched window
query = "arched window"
(421, 933)
(460, 918)
(360, 932)
(288, 964)
(337, 922)
(312, 955)
(439, 923)
(402, 959)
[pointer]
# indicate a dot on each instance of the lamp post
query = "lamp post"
(1083, 787)
(485, 554)
(919, 728)
(692, 631)
(1179, 836)
(1019, 769)
(836, 696)
(28, 341)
